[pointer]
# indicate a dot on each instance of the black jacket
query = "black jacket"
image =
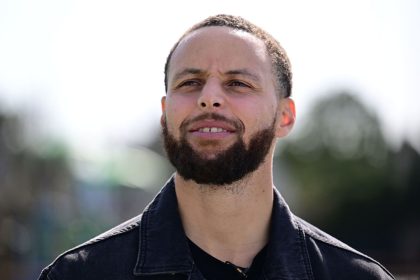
(153, 246)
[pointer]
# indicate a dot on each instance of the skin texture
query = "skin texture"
(218, 70)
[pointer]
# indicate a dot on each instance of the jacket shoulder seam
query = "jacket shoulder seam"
(329, 240)
(118, 230)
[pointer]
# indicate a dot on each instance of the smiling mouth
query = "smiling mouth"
(212, 130)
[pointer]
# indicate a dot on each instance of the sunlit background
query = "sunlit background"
(80, 89)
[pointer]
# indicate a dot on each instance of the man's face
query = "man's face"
(220, 113)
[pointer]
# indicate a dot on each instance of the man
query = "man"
(228, 86)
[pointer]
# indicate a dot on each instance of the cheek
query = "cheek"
(257, 115)
(176, 111)
(172, 122)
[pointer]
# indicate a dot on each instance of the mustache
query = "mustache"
(237, 124)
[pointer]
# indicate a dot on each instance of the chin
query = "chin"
(209, 155)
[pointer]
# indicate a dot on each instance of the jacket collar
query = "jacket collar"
(163, 246)
(287, 256)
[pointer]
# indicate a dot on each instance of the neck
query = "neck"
(231, 223)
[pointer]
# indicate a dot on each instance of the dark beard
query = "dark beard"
(229, 166)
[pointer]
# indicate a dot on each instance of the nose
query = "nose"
(211, 96)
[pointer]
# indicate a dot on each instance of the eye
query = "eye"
(237, 83)
(189, 83)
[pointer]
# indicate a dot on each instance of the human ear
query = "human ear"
(286, 115)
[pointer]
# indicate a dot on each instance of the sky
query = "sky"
(90, 73)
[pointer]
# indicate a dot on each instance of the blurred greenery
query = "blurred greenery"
(349, 182)
(337, 171)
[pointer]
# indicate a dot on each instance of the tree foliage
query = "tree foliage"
(351, 183)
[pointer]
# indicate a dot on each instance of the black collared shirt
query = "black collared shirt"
(153, 246)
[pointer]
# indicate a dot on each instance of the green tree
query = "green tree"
(339, 162)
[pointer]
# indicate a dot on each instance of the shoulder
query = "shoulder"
(333, 259)
(113, 252)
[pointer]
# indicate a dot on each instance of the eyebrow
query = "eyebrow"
(187, 71)
(195, 71)
(244, 72)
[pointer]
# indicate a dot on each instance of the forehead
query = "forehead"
(221, 47)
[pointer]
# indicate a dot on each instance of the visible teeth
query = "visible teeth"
(212, 129)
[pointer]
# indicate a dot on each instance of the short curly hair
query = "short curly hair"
(279, 58)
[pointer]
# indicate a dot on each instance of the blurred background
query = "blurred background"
(80, 149)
